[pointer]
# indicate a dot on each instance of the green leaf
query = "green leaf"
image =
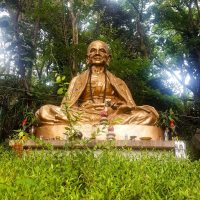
(60, 91)
(21, 134)
(58, 79)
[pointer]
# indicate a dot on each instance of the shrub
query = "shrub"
(85, 174)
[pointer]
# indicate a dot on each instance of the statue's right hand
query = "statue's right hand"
(97, 106)
(60, 116)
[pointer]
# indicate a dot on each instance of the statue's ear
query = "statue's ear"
(108, 60)
(87, 59)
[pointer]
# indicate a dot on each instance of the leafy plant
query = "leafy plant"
(60, 80)
(168, 120)
(87, 174)
(72, 119)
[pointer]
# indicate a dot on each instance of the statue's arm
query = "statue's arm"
(122, 89)
(125, 92)
(130, 98)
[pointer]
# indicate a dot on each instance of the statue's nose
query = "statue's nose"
(98, 51)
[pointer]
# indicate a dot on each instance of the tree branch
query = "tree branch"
(162, 65)
(136, 9)
(198, 10)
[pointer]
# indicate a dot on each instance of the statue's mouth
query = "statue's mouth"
(97, 57)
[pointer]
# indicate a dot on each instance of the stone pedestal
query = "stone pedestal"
(119, 144)
(122, 132)
(196, 141)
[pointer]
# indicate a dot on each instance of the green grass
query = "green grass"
(110, 175)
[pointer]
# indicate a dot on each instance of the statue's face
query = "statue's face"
(98, 53)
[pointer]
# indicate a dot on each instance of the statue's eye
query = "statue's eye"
(103, 50)
(92, 50)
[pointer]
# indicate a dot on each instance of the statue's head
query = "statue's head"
(98, 53)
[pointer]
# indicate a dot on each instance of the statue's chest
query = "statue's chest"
(99, 85)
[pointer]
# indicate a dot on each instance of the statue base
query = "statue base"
(122, 132)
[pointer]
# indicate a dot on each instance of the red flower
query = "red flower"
(171, 123)
(24, 121)
(103, 113)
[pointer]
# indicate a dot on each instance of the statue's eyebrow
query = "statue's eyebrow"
(103, 49)
(92, 49)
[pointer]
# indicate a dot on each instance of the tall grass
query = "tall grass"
(81, 174)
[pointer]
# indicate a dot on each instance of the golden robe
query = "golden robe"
(77, 99)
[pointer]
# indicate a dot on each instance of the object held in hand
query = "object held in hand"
(108, 102)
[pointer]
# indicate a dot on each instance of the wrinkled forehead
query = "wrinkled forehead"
(97, 45)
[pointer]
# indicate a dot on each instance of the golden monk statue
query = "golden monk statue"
(89, 91)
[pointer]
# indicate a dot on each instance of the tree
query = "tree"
(177, 27)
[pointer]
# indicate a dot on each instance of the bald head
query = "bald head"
(98, 53)
(98, 43)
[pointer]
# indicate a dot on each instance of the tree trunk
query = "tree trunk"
(74, 17)
(34, 41)
(139, 28)
(15, 15)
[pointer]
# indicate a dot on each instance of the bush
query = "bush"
(81, 174)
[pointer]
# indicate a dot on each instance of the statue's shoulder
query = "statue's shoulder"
(77, 86)
(79, 81)
(121, 88)
(115, 78)
(80, 77)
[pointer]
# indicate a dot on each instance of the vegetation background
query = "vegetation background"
(155, 46)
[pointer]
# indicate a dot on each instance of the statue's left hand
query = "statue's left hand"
(124, 109)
